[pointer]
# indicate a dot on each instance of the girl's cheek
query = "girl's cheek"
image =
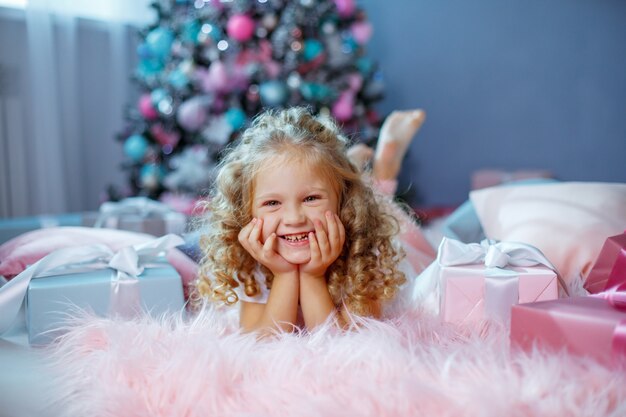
(267, 230)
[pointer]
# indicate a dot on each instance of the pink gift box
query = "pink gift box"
(464, 295)
(609, 269)
(587, 326)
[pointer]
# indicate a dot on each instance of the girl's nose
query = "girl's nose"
(294, 216)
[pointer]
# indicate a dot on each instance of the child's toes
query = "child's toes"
(418, 117)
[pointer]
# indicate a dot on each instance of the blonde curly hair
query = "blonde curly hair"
(365, 272)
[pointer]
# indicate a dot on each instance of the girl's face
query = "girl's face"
(288, 195)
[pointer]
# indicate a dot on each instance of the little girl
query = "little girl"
(296, 233)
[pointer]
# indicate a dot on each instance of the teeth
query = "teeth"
(297, 238)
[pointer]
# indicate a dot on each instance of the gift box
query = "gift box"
(156, 225)
(10, 228)
(609, 270)
(473, 293)
(482, 281)
(586, 326)
(140, 214)
(95, 279)
(49, 298)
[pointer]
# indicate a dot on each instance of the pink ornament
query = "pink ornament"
(216, 78)
(361, 32)
(217, 4)
(146, 108)
(355, 81)
(345, 8)
(250, 56)
(163, 137)
(191, 114)
(240, 27)
(218, 105)
(238, 79)
(343, 108)
(273, 69)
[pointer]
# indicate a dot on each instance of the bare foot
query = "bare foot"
(395, 137)
(360, 155)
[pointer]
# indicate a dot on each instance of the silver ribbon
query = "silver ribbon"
(128, 264)
(501, 292)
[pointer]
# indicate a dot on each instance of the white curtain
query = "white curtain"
(43, 159)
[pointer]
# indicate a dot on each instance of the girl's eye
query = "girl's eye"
(311, 198)
(271, 203)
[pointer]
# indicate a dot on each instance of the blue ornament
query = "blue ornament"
(191, 31)
(136, 147)
(312, 49)
(349, 45)
(160, 40)
(157, 95)
(149, 67)
(273, 93)
(144, 51)
(236, 118)
(151, 175)
(213, 31)
(365, 65)
(178, 79)
(316, 92)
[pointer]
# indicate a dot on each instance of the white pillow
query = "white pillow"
(567, 221)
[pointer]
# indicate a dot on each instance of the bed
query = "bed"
(410, 364)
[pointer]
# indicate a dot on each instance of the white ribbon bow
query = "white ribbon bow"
(128, 263)
(493, 254)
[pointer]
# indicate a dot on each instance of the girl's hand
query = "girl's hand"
(264, 253)
(325, 247)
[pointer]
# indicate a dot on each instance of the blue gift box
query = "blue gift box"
(13, 227)
(51, 299)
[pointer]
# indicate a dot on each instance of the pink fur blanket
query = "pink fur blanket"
(410, 366)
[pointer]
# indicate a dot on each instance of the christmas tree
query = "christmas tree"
(207, 67)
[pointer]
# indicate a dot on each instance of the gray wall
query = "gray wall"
(506, 84)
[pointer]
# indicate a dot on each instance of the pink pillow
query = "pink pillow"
(567, 221)
(28, 248)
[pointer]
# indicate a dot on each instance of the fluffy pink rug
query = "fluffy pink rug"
(411, 366)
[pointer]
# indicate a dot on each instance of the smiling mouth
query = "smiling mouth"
(296, 237)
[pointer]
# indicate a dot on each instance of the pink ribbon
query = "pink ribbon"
(616, 297)
(618, 346)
